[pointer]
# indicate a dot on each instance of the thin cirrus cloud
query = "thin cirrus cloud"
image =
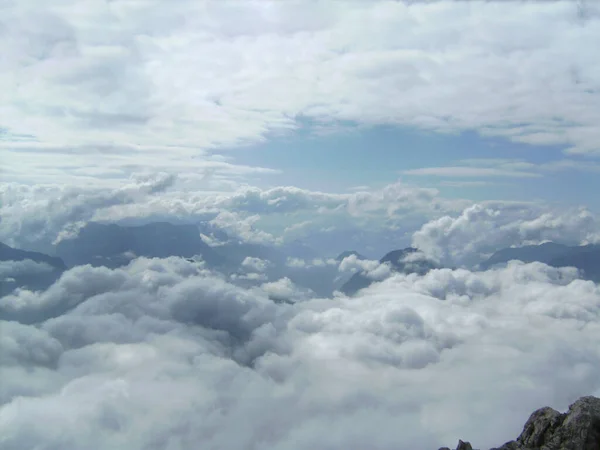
(468, 172)
(503, 168)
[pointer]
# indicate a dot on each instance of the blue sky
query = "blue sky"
(352, 156)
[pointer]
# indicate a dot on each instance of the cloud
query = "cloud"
(463, 184)
(502, 167)
(107, 88)
(466, 239)
(296, 262)
(36, 216)
(284, 290)
(43, 214)
(164, 353)
(467, 172)
(255, 264)
(9, 269)
(251, 277)
(243, 227)
(353, 263)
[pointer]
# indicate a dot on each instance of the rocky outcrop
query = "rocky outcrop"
(547, 429)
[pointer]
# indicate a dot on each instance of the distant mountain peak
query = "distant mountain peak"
(347, 253)
(8, 253)
(107, 244)
(398, 261)
(586, 258)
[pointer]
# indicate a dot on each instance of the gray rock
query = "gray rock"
(547, 429)
(464, 445)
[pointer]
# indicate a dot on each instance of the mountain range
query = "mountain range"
(113, 246)
(398, 261)
(31, 270)
(586, 258)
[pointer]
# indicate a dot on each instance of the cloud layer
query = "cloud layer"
(164, 354)
(36, 216)
(111, 87)
(481, 229)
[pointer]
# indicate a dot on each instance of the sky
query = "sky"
(480, 99)
(459, 128)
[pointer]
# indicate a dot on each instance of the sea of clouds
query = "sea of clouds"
(165, 354)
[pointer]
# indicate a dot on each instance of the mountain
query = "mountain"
(530, 253)
(26, 269)
(577, 429)
(347, 253)
(113, 245)
(372, 244)
(586, 258)
(8, 253)
(397, 261)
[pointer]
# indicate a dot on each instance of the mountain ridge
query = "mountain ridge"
(586, 258)
(396, 260)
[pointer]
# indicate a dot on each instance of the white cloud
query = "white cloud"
(252, 277)
(162, 353)
(37, 216)
(296, 262)
(243, 227)
(352, 263)
(481, 230)
(40, 213)
(284, 289)
(255, 264)
(108, 87)
(10, 269)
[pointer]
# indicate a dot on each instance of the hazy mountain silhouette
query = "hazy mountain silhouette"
(397, 260)
(347, 253)
(113, 245)
(26, 269)
(586, 258)
(8, 253)
(529, 253)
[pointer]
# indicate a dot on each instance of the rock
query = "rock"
(547, 429)
(464, 446)
(540, 428)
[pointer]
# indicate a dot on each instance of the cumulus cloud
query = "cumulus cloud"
(40, 214)
(163, 353)
(36, 216)
(296, 262)
(482, 229)
(284, 290)
(10, 269)
(352, 263)
(242, 227)
(255, 264)
(372, 269)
